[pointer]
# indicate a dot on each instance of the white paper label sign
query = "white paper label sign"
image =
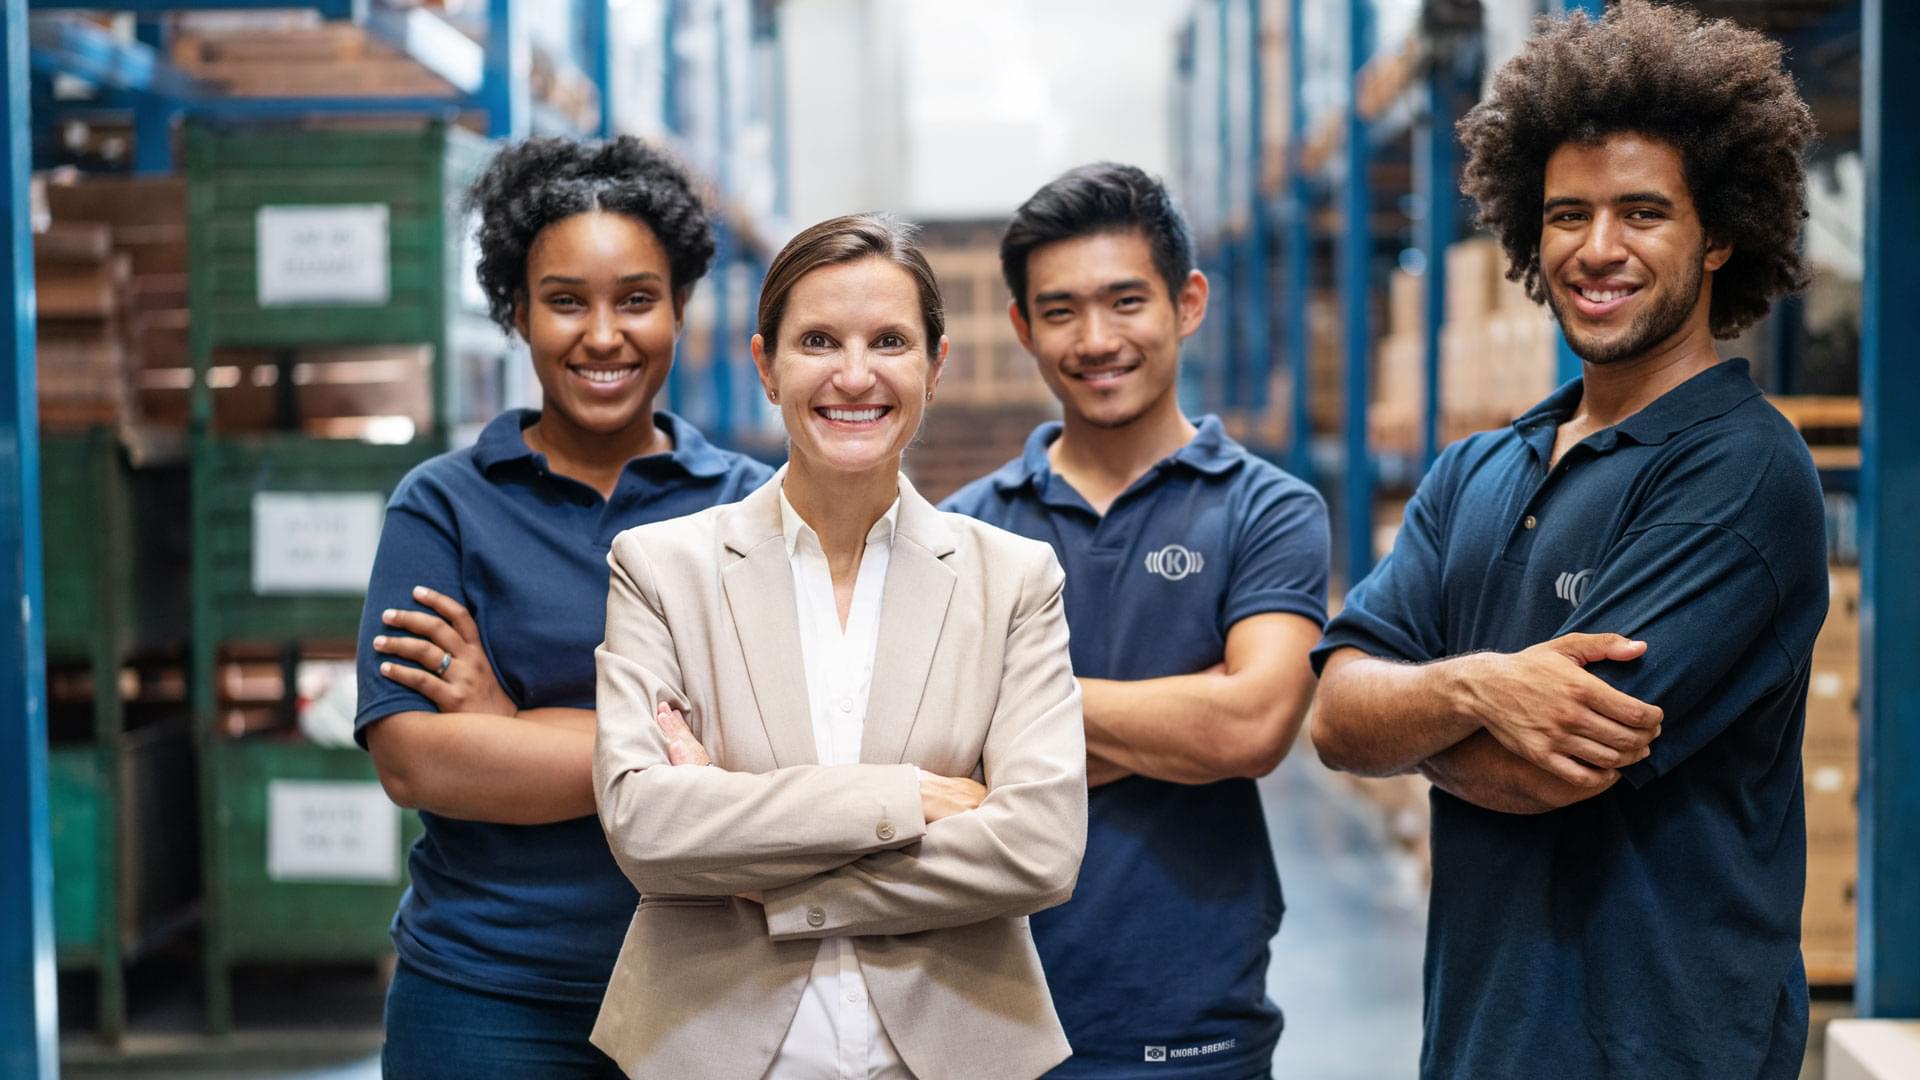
(331, 830)
(314, 542)
(323, 254)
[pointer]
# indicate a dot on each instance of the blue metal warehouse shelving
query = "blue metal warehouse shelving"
(705, 97)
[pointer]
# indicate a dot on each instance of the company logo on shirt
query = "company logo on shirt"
(1572, 587)
(1161, 1054)
(1175, 562)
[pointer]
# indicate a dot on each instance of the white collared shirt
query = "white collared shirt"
(836, 1034)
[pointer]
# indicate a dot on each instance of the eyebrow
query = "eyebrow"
(560, 279)
(1124, 285)
(1651, 198)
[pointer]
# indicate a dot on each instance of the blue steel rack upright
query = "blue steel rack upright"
(27, 1021)
(1888, 982)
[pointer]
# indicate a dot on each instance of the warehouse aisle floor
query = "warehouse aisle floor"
(1346, 965)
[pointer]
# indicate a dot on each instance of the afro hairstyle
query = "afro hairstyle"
(1712, 90)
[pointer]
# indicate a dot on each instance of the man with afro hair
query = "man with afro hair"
(1593, 633)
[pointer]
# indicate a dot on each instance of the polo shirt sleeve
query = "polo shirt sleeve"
(1280, 562)
(1397, 612)
(419, 545)
(1704, 600)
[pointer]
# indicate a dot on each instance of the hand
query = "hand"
(1543, 705)
(468, 683)
(1101, 771)
(683, 747)
(945, 796)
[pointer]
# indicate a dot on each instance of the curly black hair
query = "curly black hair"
(533, 183)
(1714, 91)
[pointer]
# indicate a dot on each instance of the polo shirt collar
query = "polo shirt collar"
(502, 442)
(1210, 451)
(1712, 393)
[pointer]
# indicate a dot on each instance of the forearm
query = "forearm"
(574, 719)
(1480, 771)
(482, 767)
(772, 873)
(1380, 717)
(968, 868)
(1192, 729)
(673, 823)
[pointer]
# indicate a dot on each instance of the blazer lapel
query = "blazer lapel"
(759, 591)
(913, 611)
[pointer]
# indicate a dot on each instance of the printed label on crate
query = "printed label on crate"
(323, 254)
(312, 542)
(329, 830)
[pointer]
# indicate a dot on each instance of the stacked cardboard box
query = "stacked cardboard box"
(81, 290)
(299, 57)
(1399, 369)
(145, 223)
(1832, 769)
(1496, 345)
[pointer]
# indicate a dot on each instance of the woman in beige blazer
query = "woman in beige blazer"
(835, 893)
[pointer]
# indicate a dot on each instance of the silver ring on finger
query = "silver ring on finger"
(446, 661)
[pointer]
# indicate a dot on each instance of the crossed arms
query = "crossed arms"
(844, 849)
(1520, 733)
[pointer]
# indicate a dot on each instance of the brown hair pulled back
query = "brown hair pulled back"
(847, 239)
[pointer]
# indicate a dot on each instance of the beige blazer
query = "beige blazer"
(971, 672)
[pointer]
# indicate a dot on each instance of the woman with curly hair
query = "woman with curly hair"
(1594, 632)
(488, 596)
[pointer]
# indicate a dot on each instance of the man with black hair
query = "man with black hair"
(1594, 631)
(1196, 584)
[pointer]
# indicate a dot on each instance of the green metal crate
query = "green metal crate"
(115, 587)
(267, 919)
(419, 175)
(120, 899)
(81, 811)
(229, 474)
(86, 534)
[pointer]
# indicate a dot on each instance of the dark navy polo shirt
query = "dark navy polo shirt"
(533, 910)
(1158, 963)
(1653, 930)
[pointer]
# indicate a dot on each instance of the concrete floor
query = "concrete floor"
(1346, 970)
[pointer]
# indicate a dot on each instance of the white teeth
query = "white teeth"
(604, 375)
(855, 416)
(1604, 296)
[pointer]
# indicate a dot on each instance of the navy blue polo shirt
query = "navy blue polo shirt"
(1653, 930)
(532, 910)
(1158, 963)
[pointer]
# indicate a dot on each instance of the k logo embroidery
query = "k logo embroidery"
(1572, 587)
(1175, 562)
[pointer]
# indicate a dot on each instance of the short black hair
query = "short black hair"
(1714, 91)
(533, 183)
(1104, 197)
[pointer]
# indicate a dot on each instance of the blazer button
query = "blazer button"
(816, 917)
(885, 831)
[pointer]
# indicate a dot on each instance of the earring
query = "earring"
(929, 397)
(773, 396)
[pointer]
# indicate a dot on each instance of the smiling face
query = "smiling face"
(600, 319)
(1103, 329)
(852, 368)
(1623, 252)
